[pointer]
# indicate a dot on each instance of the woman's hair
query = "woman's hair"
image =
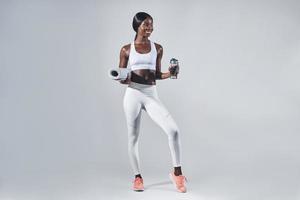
(138, 19)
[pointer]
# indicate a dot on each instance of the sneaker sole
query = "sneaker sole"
(138, 190)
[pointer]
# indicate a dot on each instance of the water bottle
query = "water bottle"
(174, 68)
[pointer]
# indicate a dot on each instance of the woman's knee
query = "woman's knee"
(173, 134)
(133, 137)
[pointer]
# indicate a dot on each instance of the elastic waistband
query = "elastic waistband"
(140, 86)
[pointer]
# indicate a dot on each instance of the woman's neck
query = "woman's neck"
(141, 40)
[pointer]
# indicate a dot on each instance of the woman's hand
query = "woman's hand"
(174, 70)
(126, 81)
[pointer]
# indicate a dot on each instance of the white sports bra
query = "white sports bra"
(142, 61)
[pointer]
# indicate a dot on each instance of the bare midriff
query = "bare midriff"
(143, 76)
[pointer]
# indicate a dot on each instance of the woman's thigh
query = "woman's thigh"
(160, 115)
(132, 105)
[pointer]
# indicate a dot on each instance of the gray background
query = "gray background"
(236, 101)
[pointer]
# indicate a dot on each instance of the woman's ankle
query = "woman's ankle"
(177, 171)
(138, 176)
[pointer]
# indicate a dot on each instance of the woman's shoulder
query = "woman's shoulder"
(126, 49)
(158, 47)
(126, 46)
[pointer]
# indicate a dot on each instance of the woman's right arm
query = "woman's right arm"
(124, 55)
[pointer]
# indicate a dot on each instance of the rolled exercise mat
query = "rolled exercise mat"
(119, 73)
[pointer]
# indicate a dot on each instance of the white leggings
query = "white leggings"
(138, 97)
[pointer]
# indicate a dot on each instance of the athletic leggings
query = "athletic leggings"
(140, 97)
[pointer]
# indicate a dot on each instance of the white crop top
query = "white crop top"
(142, 61)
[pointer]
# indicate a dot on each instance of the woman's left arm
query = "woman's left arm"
(160, 75)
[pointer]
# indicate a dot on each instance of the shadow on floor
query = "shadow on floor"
(158, 184)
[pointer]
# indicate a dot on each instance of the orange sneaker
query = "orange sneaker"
(178, 181)
(138, 184)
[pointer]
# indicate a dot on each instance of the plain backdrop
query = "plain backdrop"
(236, 100)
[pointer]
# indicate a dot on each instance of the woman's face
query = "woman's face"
(146, 27)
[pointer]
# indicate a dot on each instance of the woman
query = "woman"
(143, 58)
